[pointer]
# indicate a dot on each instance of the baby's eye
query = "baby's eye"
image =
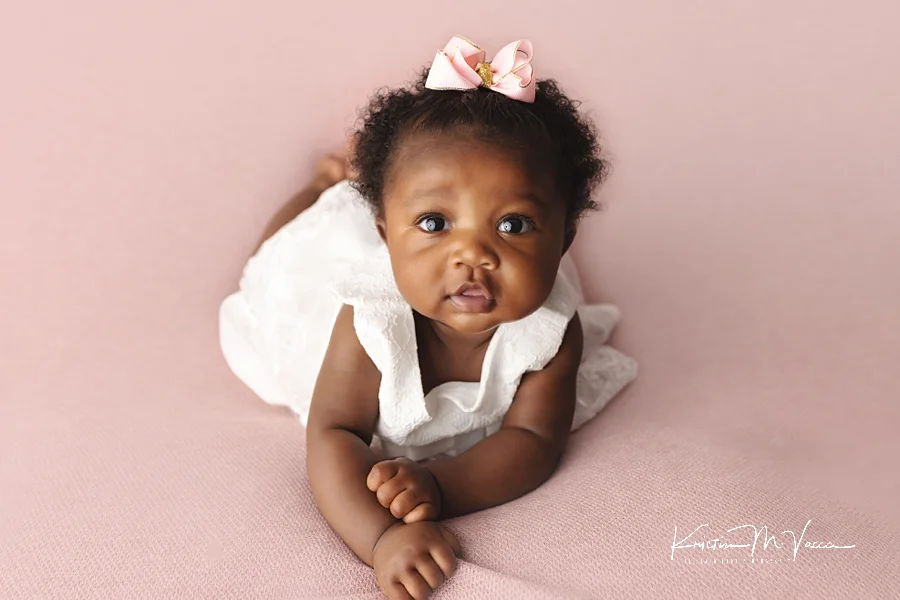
(516, 225)
(432, 223)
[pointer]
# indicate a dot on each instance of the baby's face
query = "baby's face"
(475, 234)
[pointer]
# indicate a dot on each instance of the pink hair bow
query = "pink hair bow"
(461, 65)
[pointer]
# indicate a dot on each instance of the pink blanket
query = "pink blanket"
(135, 466)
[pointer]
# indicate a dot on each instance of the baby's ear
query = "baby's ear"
(382, 228)
(569, 238)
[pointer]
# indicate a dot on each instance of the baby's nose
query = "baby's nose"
(472, 250)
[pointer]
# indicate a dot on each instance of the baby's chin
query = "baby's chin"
(470, 326)
(476, 323)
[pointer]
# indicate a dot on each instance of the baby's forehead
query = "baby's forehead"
(460, 140)
(435, 161)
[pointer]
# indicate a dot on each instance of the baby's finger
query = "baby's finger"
(450, 538)
(380, 473)
(426, 511)
(396, 591)
(445, 559)
(430, 572)
(403, 503)
(415, 584)
(388, 491)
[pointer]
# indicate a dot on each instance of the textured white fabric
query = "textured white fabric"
(274, 333)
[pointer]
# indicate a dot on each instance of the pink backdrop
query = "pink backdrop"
(751, 241)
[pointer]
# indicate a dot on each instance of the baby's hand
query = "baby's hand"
(334, 168)
(406, 488)
(329, 170)
(411, 560)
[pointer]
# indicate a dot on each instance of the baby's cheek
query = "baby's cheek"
(422, 290)
(527, 287)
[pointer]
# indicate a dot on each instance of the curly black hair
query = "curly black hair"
(564, 139)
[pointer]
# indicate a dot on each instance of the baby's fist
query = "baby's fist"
(411, 560)
(330, 169)
(406, 488)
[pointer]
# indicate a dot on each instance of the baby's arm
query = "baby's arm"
(342, 419)
(409, 559)
(526, 450)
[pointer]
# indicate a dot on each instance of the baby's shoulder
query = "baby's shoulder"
(346, 391)
(344, 345)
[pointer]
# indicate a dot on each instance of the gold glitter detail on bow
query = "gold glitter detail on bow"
(486, 73)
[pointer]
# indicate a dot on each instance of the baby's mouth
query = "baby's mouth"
(473, 297)
(473, 289)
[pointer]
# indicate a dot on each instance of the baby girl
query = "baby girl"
(422, 318)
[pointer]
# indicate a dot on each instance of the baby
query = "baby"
(422, 320)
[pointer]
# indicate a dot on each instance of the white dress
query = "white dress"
(274, 332)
